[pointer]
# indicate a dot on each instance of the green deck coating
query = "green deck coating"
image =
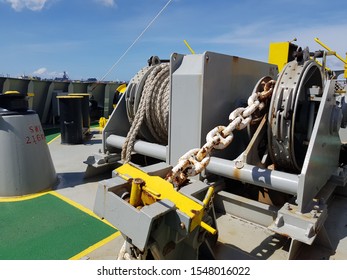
(47, 228)
(51, 133)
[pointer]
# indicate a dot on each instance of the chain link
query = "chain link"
(195, 161)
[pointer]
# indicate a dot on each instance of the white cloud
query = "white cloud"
(44, 73)
(107, 3)
(40, 71)
(34, 5)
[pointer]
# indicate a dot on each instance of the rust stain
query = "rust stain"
(237, 174)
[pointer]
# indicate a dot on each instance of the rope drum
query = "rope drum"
(152, 110)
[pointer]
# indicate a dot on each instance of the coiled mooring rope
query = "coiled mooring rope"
(153, 109)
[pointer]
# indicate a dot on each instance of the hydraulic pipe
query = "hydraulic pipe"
(272, 179)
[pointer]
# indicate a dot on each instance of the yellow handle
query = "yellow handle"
(208, 228)
(208, 196)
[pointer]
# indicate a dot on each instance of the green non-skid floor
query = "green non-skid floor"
(51, 133)
(47, 228)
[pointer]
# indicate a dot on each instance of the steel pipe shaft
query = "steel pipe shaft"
(272, 179)
(141, 147)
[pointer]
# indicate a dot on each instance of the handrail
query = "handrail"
(188, 46)
(334, 53)
(328, 49)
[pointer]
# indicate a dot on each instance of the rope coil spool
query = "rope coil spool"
(148, 102)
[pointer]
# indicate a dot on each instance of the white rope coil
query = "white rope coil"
(153, 109)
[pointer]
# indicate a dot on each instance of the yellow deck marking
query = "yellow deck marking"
(55, 138)
(23, 197)
(79, 206)
(62, 197)
(91, 213)
(95, 246)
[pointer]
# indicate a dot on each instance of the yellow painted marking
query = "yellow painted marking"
(69, 96)
(95, 246)
(91, 213)
(79, 94)
(64, 198)
(79, 206)
(55, 138)
(23, 197)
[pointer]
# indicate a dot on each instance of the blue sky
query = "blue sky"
(86, 37)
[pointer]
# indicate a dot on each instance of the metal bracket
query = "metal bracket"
(302, 227)
(99, 163)
(99, 160)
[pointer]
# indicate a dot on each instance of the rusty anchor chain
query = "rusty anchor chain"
(195, 160)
